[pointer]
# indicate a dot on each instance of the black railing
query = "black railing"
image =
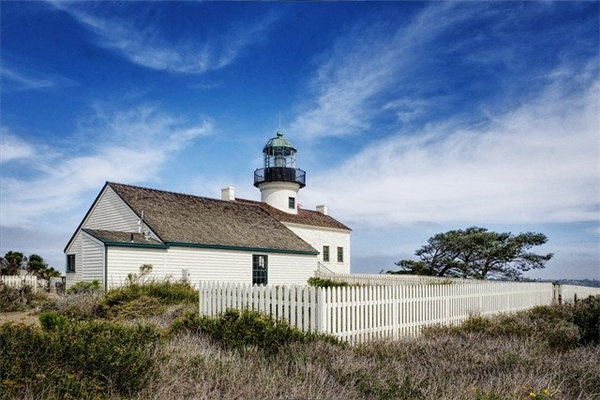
(280, 174)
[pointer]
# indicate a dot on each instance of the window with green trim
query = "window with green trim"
(325, 253)
(292, 202)
(340, 254)
(259, 269)
(70, 262)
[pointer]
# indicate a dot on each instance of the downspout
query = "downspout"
(105, 268)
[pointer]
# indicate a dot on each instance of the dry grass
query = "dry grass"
(471, 366)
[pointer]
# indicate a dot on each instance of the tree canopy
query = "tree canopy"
(13, 262)
(477, 253)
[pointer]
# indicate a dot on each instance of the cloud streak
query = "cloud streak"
(142, 44)
(128, 146)
(536, 163)
(20, 79)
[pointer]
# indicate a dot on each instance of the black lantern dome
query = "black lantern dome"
(279, 163)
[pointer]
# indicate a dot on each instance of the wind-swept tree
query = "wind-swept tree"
(12, 262)
(477, 253)
(38, 267)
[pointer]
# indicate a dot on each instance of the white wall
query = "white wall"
(111, 213)
(92, 259)
(76, 248)
(318, 237)
(277, 194)
(207, 265)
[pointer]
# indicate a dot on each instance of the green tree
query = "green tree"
(477, 253)
(38, 267)
(12, 262)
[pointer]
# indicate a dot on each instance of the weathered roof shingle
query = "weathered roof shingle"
(183, 218)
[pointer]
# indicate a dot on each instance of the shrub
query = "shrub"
(18, 299)
(148, 299)
(80, 306)
(75, 359)
(236, 329)
(323, 282)
(586, 315)
(85, 287)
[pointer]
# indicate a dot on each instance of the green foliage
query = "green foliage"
(586, 315)
(323, 282)
(38, 267)
(75, 359)
(18, 299)
(558, 327)
(146, 299)
(236, 329)
(12, 262)
(85, 287)
(477, 253)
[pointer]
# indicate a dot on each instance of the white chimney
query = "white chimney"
(228, 193)
(322, 209)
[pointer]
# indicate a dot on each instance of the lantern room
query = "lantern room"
(279, 157)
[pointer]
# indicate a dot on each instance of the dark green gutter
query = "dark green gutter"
(209, 246)
(105, 268)
(241, 248)
(130, 244)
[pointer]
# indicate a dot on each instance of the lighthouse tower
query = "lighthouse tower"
(280, 180)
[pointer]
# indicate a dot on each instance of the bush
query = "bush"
(236, 329)
(144, 300)
(323, 282)
(13, 299)
(68, 359)
(86, 287)
(586, 315)
(80, 306)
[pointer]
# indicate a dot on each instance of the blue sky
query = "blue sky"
(410, 118)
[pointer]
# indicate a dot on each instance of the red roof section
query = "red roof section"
(304, 217)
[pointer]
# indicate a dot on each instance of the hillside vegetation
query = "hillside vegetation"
(148, 342)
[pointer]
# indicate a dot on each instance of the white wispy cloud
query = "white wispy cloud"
(15, 78)
(12, 148)
(141, 43)
(126, 146)
(365, 63)
(538, 162)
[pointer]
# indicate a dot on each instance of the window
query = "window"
(325, 253)
(292, 202)
(340, 254)
(70, 262)
(259, 270)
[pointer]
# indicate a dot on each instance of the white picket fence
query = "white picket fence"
(363, 313)
(392, 279)
(19, 281)
(571, 292)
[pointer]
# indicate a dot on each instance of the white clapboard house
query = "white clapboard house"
(271, 241)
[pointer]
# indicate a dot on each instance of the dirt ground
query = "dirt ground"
(25, 317)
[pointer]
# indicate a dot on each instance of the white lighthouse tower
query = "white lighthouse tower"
(280, 180)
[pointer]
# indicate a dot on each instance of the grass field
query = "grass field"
(149, 343)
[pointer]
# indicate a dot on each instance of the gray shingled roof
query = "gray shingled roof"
(183, 218)
(304, 217)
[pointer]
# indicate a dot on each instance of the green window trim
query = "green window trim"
(260, 269)
(340, 254)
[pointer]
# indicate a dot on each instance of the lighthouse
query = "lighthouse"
(279, 180)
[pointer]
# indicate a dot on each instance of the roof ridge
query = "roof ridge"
(168, 192)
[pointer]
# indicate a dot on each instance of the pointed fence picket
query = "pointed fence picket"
(362, 313)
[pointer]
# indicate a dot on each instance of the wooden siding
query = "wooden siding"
(93, 259)
(287, 269)
(123, 261)
(76, 248)
(318, 237)
(210, 264)
(207, 265)
(111, 213)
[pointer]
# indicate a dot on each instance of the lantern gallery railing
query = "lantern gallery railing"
(280, 174)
